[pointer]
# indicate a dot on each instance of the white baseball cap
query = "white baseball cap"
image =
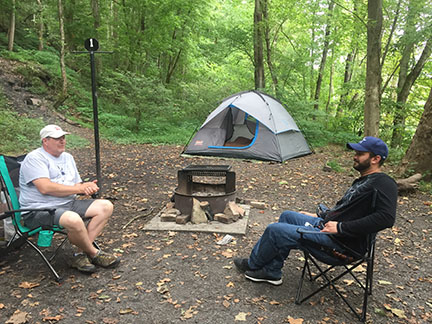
(53, 131)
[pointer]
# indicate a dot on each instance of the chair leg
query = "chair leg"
(299, 288)
(57, 277)
(57, 249)
(331, 281)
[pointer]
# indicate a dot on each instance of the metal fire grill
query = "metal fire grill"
(217, 194)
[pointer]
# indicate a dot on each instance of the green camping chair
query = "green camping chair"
(24, 234)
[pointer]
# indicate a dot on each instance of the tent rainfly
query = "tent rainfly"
(249, 125)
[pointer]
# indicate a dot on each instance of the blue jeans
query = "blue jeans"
(274, 246)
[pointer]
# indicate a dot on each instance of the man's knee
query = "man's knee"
(71, 220)
(273, 230)
(286, 216)
(106, 207)
(101, 208)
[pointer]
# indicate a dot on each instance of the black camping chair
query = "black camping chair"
(332, 265)
(347, 262)
(23, 234)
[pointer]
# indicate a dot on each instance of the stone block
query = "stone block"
(226, 219)
(173, 211)
(170, 205)
(234, 210)
(168, 217)
(258, 204)
(198, 215)
(182, 219)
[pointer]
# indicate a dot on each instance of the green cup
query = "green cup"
(45, 238)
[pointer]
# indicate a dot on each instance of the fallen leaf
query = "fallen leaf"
(125, 311)
(189, 313)
(384, 282)
(28, 285)
(104, 297)
(241, 316)
(226, 303)
(52, 318)
(348, 282)
(228, 253)
(18, 317)
(398, 312)
(291, 320)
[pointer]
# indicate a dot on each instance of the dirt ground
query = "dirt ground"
(183, 277)
(175, 277)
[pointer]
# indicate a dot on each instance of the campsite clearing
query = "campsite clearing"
(179, 277)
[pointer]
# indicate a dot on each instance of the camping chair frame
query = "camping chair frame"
(348, 264)
(22, 233)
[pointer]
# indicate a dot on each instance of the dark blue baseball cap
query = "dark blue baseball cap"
(371, 144)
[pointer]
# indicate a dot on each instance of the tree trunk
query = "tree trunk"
(11, 32)
(392, 30)
(269, 46)
(96, 25)
(405, 84)
(41, 26)
(312, 61)
(373, 69)
(96, 15)
(62, 48)
(419, 154)
(172, 65)
(324, 56)
(258, 44)
(330, 92)
(69, 22)
(347, 78)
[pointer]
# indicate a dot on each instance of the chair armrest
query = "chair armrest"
(4, 216)
(9, 212)
(302, 231)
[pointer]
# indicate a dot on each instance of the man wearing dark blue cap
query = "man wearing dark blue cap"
(350, 220)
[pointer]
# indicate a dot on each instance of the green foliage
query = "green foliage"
(174, 60)
(19, 135)
(334, 165)
(40, 70)
(75, 141)
(426, 187)
(120, 129)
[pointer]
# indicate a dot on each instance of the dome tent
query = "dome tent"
(251, 125)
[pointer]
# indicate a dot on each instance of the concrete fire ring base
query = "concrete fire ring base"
(238, 227)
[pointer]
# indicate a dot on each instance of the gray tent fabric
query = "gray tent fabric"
(250, 125)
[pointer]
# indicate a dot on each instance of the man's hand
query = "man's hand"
(88, 188)
(330, 227)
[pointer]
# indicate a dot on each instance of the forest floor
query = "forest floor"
(185, 277)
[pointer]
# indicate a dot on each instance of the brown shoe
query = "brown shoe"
(105, 260)
(82, 263)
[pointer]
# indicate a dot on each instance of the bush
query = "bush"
(19, 135)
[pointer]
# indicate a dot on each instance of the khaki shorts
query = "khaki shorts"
(43, 218)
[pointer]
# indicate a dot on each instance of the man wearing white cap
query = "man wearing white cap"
(49, 179)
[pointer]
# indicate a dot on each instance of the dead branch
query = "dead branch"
(137, 217)
(408, 184)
